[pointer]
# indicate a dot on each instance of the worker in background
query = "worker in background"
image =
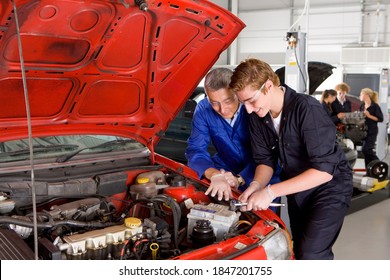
(341, 105)
(373, 114)
(293, 129)
(327, 98)
(221, 119)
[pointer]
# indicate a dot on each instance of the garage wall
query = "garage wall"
(329, 30)
(331, 27)
(352, 35)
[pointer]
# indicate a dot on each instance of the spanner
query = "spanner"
(234, 204)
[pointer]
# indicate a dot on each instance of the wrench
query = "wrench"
(235, 204)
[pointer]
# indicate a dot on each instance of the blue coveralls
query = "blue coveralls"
(307, 139)
(231, 143)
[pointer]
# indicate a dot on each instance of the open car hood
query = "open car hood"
(318, 72)
(119, 67)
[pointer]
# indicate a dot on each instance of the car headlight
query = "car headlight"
(277, 245)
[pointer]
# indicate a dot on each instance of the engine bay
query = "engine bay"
(138, 214)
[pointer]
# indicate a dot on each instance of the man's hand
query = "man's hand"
(231, 179)
(341, 115)
(253, 187)
(258, 200)
(220, 185)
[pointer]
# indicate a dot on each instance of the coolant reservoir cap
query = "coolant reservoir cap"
(132, 222)
(143, 180)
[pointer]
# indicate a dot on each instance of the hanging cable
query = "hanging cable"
(292, 41)
(307, 4)
(305, 10)
(28, 114)
(307, 90)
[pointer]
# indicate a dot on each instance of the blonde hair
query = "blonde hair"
(374, 96)
(343, 87)
(253, 72)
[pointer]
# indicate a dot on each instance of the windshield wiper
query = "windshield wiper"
(108, 144)
(41, 149)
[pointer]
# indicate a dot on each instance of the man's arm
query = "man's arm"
(197, 153)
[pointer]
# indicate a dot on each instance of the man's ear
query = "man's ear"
(268, 86)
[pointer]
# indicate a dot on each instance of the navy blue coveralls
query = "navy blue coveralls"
(372, 132)
(332, 116)
(307, 139)
(337, 107)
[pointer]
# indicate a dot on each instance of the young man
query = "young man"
(293, 129)
(342, 104)
(221, 119)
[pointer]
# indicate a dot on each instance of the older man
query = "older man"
(221, 119)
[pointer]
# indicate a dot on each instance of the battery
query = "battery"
(220, 217)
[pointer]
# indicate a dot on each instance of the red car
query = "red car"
(87, 90)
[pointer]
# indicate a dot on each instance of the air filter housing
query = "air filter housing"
(13, 247)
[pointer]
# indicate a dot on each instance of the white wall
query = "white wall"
(331, 25)
(328, 30)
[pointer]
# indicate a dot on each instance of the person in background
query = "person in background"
(373, 114)
(341, 105)
(221, 119)
(327, 98)
(293, 129)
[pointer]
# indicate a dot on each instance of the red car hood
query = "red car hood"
(105, 66)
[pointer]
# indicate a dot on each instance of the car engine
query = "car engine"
(158, 215)
(354, 126)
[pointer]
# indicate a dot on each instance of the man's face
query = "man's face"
(224, 102)
(341, 94)
(255, 101)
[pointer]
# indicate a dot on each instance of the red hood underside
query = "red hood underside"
(105, 67)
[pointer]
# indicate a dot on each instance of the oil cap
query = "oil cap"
(132, 222)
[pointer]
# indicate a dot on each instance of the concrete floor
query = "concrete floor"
(365, 234)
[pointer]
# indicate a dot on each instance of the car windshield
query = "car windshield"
(63, 148)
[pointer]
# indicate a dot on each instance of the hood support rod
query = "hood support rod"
(28, 114)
